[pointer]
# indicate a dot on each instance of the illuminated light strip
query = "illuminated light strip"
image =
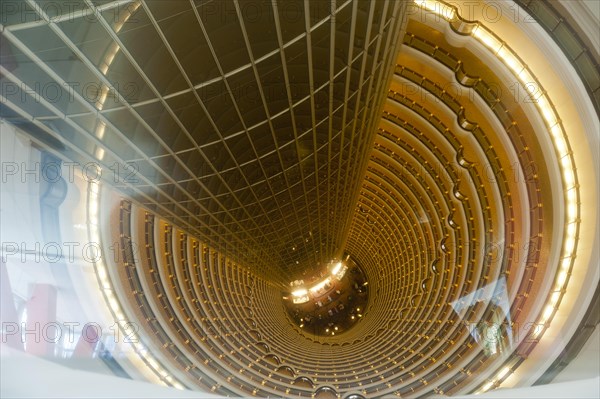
(303, 291)
(504, 372)
(94, 231)
(320, 285)
(300, 292)
(438, 8)
(560, 142)
(109, 295)
(336, 268)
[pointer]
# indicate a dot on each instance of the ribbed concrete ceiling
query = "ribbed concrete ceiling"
(266, 139)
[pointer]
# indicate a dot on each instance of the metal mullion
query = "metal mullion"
(253, 63)
(99, 115)
(70, 145)
(289, 94)
(264, 105)
(188, 81)
(312, 114)
(207, 82)
(344, 113)
(332, 31)
(164, 103)
(384, 73)
(341, 233)
(167, 108)
(69, 16)
(363, 164)
(291, 105)
(269, 118)
(57, 112)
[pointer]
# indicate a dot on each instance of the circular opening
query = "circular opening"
(331, 301)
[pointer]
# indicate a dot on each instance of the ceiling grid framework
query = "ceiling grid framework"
(268, 138)
(217, 146)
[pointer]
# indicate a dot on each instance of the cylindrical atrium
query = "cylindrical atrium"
(314, 199)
